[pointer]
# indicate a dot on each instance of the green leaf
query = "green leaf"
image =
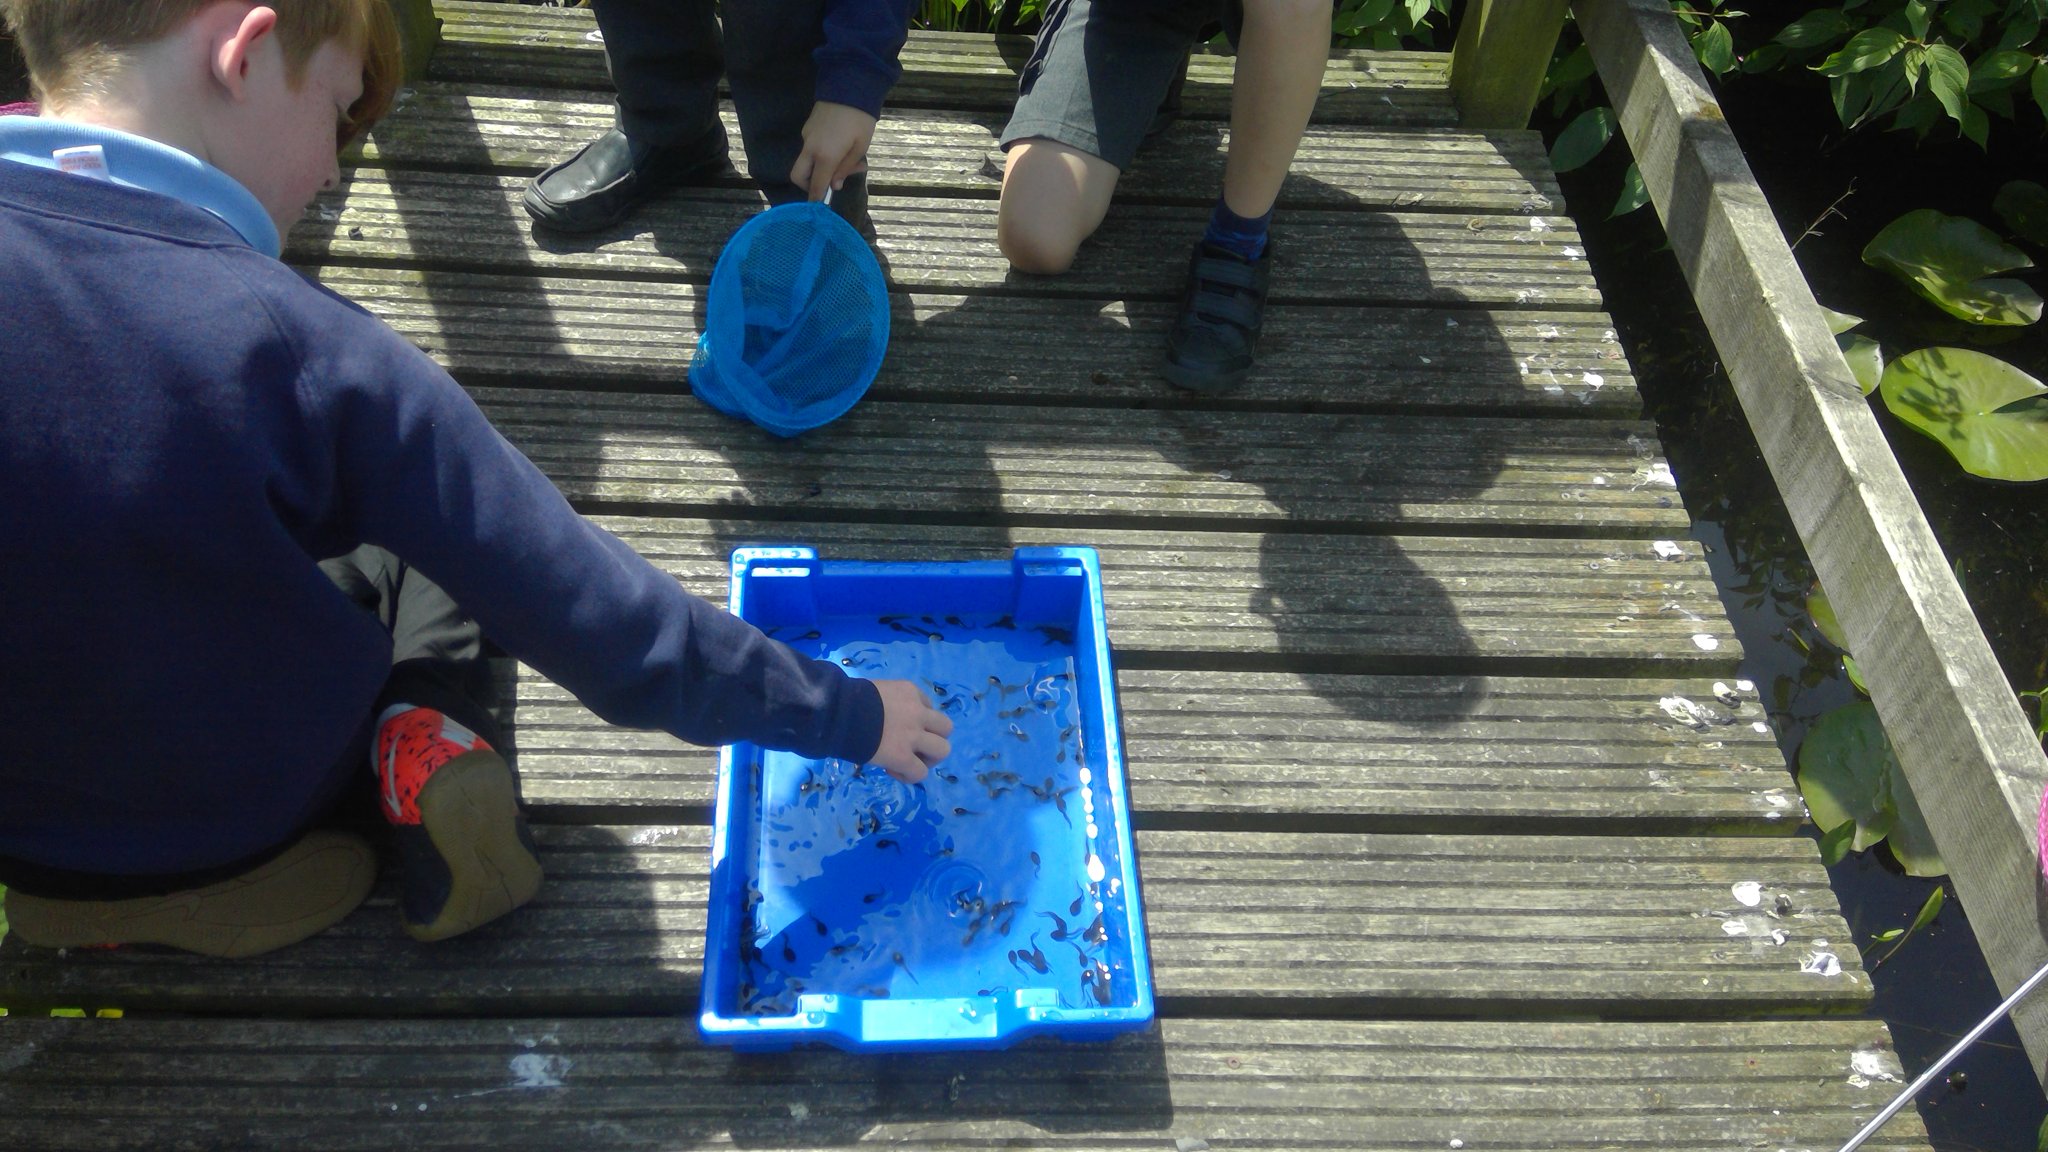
(1844, 764)
(1944, 258)
(1865, 359)
(1977, 129)
(1965, 401)
(1930, 909)
(1915, 60)
(1834, 845)
(1948, 77)
(1568, 70)
(1814, 29)
(1921, 113)
(1855, 673)
(1716, 49)
(1851, 95)
(1822, 610)
(1839, 322)
(2023, 205)
(1888, 935)
(1633, 192)
(1912, 843)
(1764, 58)
(1864, 51)
(1917, 18)
(2039, 84)
(1582, 139)
(1999, 69)
(2041, 1138)
(1965, 18)
(2020, 29)
(1418, 11)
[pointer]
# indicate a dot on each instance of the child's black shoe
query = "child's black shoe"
(1211, 347)
(453, 802)
(612, 175)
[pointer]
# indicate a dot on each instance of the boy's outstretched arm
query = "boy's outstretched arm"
(856, 68)
(914, 734)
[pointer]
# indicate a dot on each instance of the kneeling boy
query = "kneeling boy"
(226, 492)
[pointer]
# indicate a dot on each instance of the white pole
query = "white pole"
(1928, 1076)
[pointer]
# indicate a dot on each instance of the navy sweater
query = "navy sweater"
(186, 428)
(857, 59)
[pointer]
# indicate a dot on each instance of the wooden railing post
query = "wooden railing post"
(419, 30)
(1497, 66)
(1969, 752)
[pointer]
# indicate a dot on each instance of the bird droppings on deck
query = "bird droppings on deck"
(1706, 643)
(1821, 963)
(537, 1070)
(1667, 550)
(1686, 712)
(1867, 1067)
(1748, 893)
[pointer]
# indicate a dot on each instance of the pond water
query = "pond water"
(987, 879)
(1936, 986)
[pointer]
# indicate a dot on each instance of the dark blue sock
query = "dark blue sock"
(1242, 235)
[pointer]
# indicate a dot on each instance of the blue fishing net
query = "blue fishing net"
(796, 322)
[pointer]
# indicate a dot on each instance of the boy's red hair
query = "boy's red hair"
(68, 43)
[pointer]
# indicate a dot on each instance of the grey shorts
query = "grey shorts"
(1104, 74)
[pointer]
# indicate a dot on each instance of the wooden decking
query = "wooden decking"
(1457, 829)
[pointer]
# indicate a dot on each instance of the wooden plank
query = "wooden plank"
(444, 125)
(1315, 602)
(473, 222)
(99, 1086)
(997, 464)
(1503, 50)
(1975, 763)
(558, 48)
(559, 330)
(1285, 750)
(1266, 923)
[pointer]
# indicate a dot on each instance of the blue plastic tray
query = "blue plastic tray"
(998, 899)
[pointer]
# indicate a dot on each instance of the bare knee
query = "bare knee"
(1035, 244)
(1054, 197)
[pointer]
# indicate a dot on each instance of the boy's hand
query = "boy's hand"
(913, 732)
(835, 147)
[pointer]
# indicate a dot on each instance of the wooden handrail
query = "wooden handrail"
(419, 31)
(1497, 65)
(1968, 751)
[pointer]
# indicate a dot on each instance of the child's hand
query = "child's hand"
(913, 732)
(835, 147)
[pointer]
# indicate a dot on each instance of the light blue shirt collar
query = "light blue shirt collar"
(138, 162)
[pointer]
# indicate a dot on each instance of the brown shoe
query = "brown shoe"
(307, 888)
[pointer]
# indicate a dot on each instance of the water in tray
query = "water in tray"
(985, 879)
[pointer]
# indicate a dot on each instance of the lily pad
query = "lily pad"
(1953, 262)
(1992, 417)
(1910, 840)
(1844, 769)
(1849, 776)
(1839, 322)
(1865, 359)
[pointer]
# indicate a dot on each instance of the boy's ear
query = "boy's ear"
(231, 47)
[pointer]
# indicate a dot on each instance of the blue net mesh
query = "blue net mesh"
(796, 322)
